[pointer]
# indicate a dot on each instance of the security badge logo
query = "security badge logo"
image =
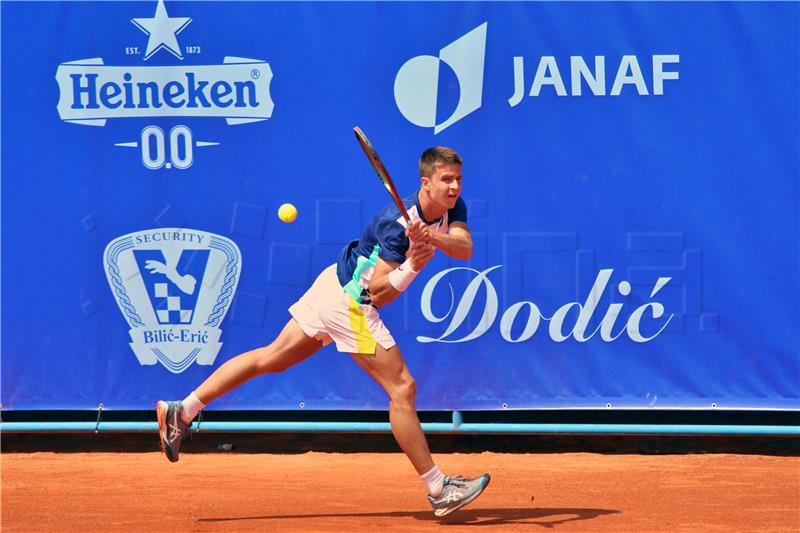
(91, 92)
(174, 287)
(416, 85)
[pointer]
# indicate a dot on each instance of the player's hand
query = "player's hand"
(419, 253)
(418, 231)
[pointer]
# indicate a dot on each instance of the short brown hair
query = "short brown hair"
(436, 155)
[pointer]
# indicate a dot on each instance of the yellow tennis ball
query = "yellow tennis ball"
(287, 213)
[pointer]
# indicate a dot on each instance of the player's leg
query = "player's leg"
(389, 369)
(290, 347)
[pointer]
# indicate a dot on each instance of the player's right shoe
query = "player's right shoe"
(171, 429)
(457, 492)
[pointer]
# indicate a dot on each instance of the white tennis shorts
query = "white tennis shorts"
(329, 314)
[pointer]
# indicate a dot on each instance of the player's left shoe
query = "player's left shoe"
(458, 491)
(171, 429)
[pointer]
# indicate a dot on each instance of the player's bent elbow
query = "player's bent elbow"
(465, 254)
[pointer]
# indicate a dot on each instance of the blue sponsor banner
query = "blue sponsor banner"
(630, 170)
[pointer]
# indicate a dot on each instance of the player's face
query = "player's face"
(444, 185)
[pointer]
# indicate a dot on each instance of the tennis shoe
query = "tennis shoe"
(171, 429)
(457, 492)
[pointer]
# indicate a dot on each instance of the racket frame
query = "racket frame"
(380, 169)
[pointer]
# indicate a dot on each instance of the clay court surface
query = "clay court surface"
(142, 492)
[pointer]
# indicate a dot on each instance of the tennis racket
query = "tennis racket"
(383, 174)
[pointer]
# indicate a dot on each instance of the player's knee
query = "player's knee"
(268, 361)
(405, 392)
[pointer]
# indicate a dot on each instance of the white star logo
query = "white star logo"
(162, 31)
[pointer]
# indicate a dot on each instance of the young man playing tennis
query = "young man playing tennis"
(342, 307)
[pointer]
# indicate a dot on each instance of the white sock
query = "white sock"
(191, 406)
(434, 480)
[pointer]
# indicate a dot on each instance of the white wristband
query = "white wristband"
(402, 276)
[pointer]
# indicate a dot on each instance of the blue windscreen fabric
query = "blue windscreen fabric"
(630, 174)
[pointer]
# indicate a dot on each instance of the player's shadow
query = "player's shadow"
(544, 517)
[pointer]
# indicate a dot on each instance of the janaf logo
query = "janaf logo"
(174, 287)
(91, 92)
(417, 84)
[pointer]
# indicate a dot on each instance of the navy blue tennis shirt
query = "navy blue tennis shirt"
(385, 238)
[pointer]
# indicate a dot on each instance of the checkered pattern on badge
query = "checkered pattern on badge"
(173, 314)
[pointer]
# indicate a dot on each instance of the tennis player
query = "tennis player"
(342, 307)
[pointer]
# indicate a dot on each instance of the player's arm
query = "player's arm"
(457, 243)
(389, 279)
